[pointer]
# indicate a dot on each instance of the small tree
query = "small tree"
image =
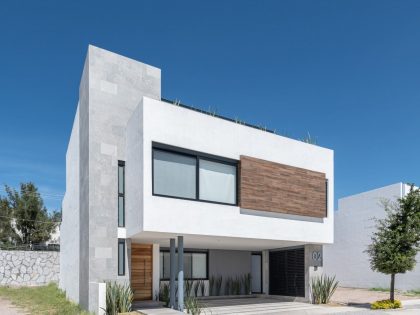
(395, 243)
(26, 220)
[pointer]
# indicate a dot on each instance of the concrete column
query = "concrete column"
(156, 270)
(313, 266)
(172, 271)
(265, 271)
(181, 273)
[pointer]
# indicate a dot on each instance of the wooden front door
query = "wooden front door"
(141, 271)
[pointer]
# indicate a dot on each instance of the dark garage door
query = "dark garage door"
(287, 272)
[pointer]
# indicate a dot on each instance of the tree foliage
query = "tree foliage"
(24, 218)
(397, 238)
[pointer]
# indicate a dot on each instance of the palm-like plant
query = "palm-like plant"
(246, 281)
(322, 289)
(218, 285)
(119, 298)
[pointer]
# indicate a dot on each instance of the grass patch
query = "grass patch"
(413, 292)
(379, 289)
(47, 299)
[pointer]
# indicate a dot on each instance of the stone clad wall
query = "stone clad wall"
(29, 267)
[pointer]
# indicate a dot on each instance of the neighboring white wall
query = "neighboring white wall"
(354, 226)
(69, 236)
(177, 126)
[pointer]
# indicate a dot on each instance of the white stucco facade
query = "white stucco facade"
(213, 225)
(354, 225)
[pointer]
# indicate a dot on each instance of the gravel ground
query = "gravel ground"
(352, 296)
(7, 308)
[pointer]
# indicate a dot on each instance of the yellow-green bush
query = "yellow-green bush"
(385, 305)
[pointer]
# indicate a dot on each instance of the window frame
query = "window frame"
(121, 241)
(122, 195)
(326, 197)
(176, 257)
(198, 156)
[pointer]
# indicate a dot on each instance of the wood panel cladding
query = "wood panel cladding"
(142, 271)
(274, 187)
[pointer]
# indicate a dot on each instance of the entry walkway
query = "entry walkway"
(153, 308)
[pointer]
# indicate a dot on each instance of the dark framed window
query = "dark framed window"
(121, 257)
(195, 265)
(121, 193)
(186, 174)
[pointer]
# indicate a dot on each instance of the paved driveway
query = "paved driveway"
(262, 306)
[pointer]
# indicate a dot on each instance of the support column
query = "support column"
(181, 273)
(313, 266)
(172, 272)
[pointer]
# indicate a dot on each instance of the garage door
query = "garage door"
(287, 272)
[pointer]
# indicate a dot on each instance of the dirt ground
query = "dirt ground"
(7, 308)
(352, 296)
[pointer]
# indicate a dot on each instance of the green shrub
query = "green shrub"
(246, 279)
(385, 305)
(192, 306)
(322, 289)
(164, 293)
(212, 281)
(218, 285)
(118, 298)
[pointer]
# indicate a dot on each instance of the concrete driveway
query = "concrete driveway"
(266, 305)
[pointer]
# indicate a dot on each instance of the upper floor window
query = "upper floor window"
(174, 174)
(121, 194)
(190, 175)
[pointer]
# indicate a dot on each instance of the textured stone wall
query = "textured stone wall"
(29, 267)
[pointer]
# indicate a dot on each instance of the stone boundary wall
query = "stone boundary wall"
(29, 268)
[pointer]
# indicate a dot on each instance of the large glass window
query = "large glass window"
(174, 174)
(121, 194)
(121, 257)
(194, 176)
(217, 181)
(195, 265)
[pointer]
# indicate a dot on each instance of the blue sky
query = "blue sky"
(347, 72)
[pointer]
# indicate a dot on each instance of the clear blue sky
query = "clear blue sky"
(348, 72)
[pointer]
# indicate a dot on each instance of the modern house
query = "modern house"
(354, 226)
(146, 176)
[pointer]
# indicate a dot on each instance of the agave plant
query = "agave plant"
(196, 287)
(246, 281)
(164, 293)
(236, 286)
(119, 298)
(228, 286)
(202, 287)
(322, 289)
(193, 306)
(212, 282)
(218, 285)
(188, 287)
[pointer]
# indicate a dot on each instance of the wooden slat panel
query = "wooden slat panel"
(142, 271)
(274, 187)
